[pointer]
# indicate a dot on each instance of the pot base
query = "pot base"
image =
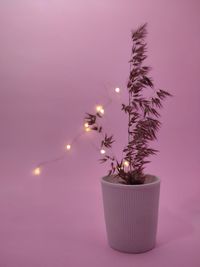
(132, 251)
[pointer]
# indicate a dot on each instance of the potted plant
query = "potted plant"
(130, 196)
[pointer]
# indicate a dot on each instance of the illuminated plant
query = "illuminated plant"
(143, 116)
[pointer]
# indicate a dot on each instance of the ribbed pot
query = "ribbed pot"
(131, 214)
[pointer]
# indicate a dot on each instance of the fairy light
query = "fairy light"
(126, 163)
(86, 125)
(102, 151)
(100, 109)
(37, 171)
(68, 147)
(117, 90)
(87, 128)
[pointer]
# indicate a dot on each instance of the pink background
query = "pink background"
(58, 58)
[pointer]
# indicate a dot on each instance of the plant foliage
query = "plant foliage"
(143, 117)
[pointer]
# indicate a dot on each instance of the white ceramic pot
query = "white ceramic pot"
(131, 214)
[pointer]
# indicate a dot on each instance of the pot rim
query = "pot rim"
(138, 186)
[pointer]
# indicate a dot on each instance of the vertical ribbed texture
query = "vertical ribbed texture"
(131, 215)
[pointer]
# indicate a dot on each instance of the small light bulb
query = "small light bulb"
(37, 171)
(86, 125)
(117, 89)
(100, 109)
(68, 147)
(126, 163)
(102, 151)
(87, 129)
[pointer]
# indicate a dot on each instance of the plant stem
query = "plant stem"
(129, 137)
(129, 120)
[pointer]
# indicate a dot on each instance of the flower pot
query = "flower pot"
(131, 214)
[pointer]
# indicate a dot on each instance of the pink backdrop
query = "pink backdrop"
(58, 58)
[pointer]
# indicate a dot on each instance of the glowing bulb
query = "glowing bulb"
(87, 129)
(37, 171)
(100, 109)
(86, 125)
(126, 163)
(68, 147)
(117, 89)
(102, 151)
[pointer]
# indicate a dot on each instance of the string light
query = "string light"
(100, 109)
(37, 171)
(126, 163)
(117, 90)
(87, 128)
(68, 147)
(102, 151)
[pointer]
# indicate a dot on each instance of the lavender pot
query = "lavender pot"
(131, 214)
